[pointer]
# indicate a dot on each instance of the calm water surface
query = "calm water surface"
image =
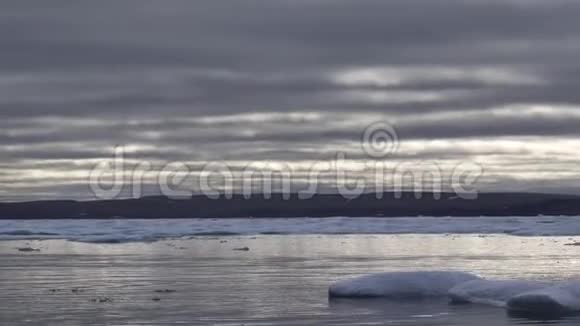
(281, 280)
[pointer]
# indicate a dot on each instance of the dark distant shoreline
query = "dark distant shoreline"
(487, 204)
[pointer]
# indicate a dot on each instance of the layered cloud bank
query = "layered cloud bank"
(288, 82)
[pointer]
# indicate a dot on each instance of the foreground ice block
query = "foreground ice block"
(400, 285)
(492, 292)
(561, 299)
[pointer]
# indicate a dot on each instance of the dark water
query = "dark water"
(281, 280)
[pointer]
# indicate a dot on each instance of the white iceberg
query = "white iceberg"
(561, 299)
(492, 292)
(400, 284)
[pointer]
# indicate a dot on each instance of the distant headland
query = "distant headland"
(321, 205)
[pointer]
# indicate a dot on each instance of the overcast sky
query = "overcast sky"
(496, 83)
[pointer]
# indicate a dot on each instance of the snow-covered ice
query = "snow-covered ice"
(123, 230)
(520, 296)
(560, 299)
(492, 292)
(396, 285)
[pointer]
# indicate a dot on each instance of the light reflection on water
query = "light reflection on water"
(282, 280)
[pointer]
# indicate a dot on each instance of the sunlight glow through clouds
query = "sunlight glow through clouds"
(398, 76)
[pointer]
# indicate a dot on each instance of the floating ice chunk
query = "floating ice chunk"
(558, 300)
(400, 284)
(489, 292)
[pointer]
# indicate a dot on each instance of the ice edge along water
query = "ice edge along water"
(124, 230)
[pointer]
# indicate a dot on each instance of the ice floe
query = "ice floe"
(560, 299)
(492, 292)
(523, 297)
(400, 284)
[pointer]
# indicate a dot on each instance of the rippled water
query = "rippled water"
(281, 280)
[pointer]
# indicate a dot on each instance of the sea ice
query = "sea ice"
(400, 284)
(492, 292)
(558, 300)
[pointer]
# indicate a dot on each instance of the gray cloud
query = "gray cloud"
(286, 80)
